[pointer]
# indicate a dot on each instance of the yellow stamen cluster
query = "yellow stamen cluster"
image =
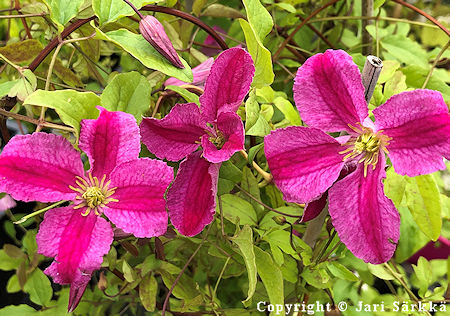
(93, 193)
(367, 145)
(218, 139)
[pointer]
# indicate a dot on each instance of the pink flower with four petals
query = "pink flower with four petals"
(129, 191)
(412, 127)
(214, 125)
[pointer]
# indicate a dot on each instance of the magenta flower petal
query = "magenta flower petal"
(228, 83)
(111, 139)
(365, 219)
(39, 167)
(191, 199)
(209, 40)
(176, 135)
(153, 31)
(329, 93)
(304, 162)
(200, 73)
(76, 293)
(419, 124)
(77, 243)
(314, 208)
(231, 135)
(140, 209)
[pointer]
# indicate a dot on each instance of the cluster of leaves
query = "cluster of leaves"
(250, 253)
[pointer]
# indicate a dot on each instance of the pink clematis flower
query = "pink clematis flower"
(216, 126)
(200, 73)
(413, 127)
(129, 191)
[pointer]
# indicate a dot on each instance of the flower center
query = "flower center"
(218, 140)
(94, 194)
(367, 145)
(216, 137)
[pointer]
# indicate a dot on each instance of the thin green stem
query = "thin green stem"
(26, 217)
(438, 57)
(35, 122)
(265, 205)
(166, 300)
(381, 18)
(220, 277)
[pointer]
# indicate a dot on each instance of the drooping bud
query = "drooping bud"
(153, 31)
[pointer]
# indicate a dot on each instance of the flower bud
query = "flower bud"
(154, 33)
(200, 73)
(280, 220)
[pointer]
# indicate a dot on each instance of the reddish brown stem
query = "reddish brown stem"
(289, 38)
(319, 34)
(429, 17)
(54, 42)
(24, 22)
(190, 18)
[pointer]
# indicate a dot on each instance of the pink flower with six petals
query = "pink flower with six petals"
(413, 127)
(216, 126)
(129, 191)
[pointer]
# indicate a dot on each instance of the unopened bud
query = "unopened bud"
(153, 31)
(280, 220)
(102, 282)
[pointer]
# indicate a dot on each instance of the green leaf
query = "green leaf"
(244, 240)
(317, 276)
(127, 92)
(61, 11)
(24, 86)
(137, 45)
(112, 10)
(72, 106)
(8, 263)
(261, 57)
(411, 237)
(388, 70)
(271, 277)
(185, 289)
(234, 207)
(424, 275)
(380, 272)
(186, 94)
(415, 78)
(259, 19)
(5, 87)
(22, 51)
(252, 152)
(405, 50)
(221, 11)
(394, 186)
(341, 272)
(378, 3)
(29, 242)
(148, 289)
(18, 310)
(39, 287)
(394, 85)
(13, 284)
(288, 110)
(423, 201)
(250, 184)
(128, 273)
